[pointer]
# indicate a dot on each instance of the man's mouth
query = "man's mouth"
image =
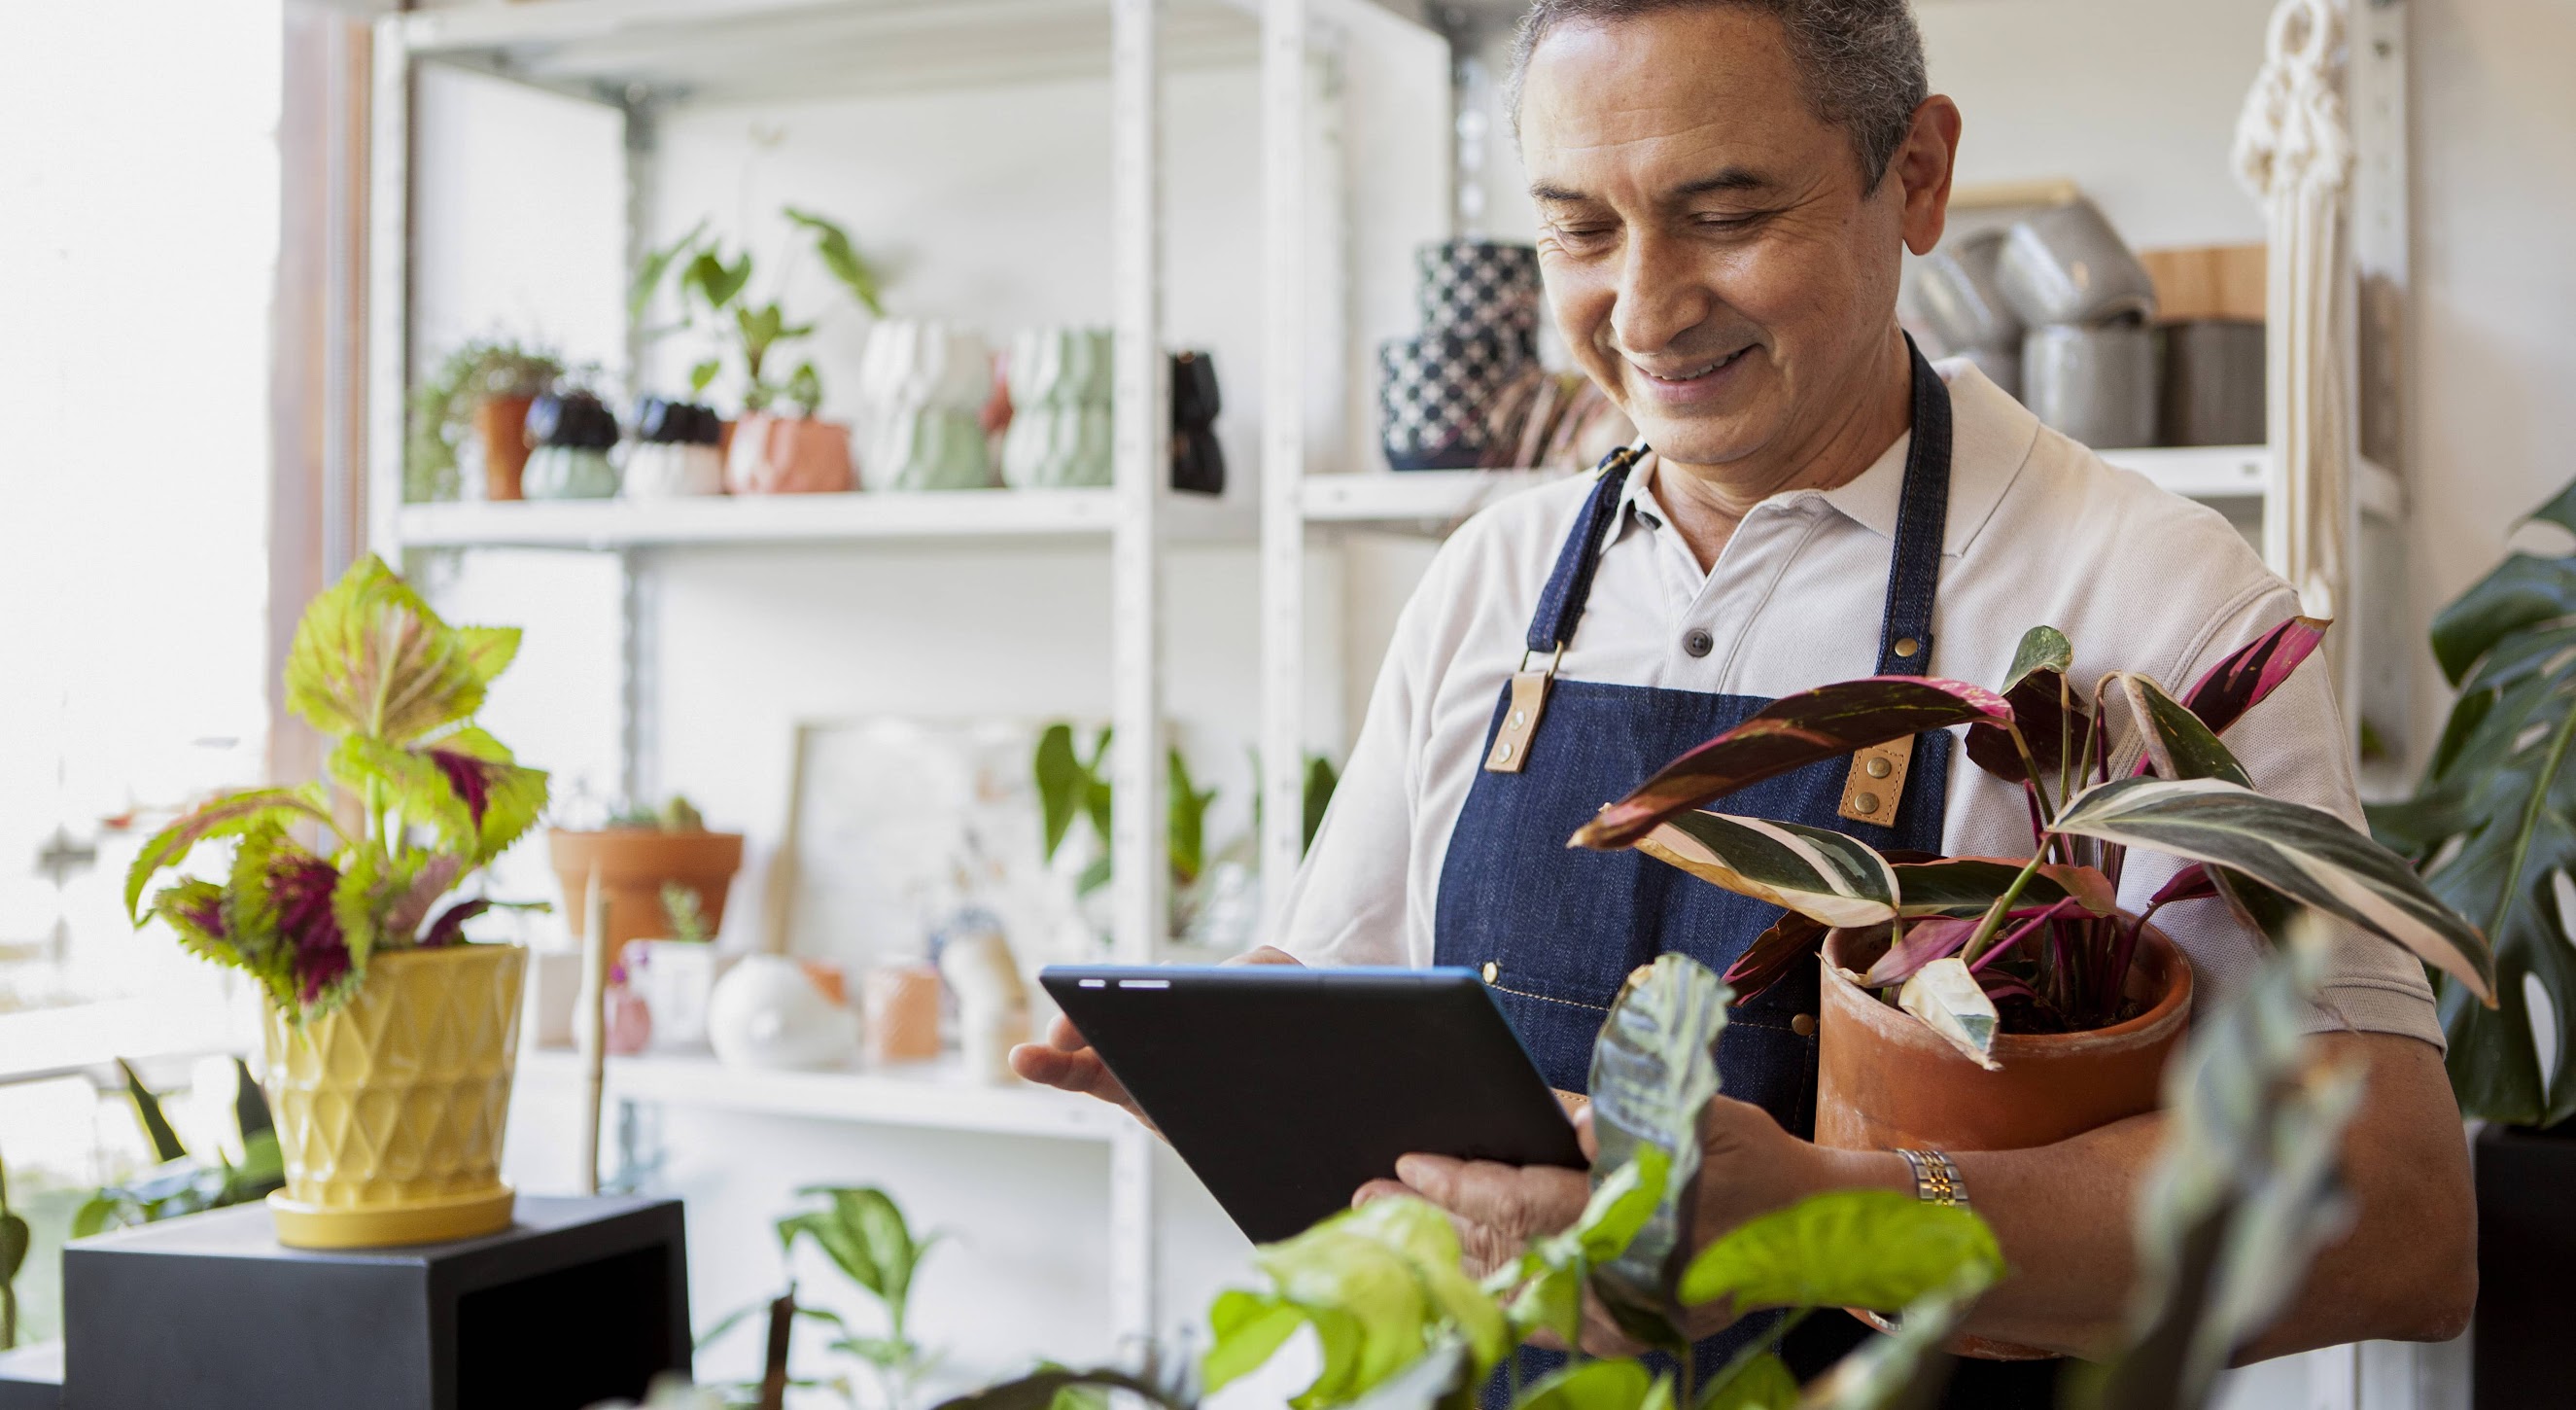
(1683, 378)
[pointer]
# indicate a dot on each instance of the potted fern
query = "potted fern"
(390, 1039)
(1982, 1003)
(2489, 826)
(484, 387)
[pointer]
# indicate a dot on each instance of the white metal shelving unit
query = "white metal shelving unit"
(641, 57)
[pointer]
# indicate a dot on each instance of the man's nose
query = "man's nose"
(1660, 295)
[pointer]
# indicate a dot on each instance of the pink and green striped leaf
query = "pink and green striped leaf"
(2305, 854)
(370, 658)
(1790, 733)
(1822, 875)
(1966, 886)
(2237, 684)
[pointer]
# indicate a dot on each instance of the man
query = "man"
(1725, 188)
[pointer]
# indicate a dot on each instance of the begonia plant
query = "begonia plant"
(321, 880)
(2036, 944)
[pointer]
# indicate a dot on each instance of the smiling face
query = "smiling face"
(1711, 251)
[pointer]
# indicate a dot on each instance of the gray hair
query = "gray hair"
(1862, 59)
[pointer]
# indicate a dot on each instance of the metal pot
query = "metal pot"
(2213, 383)
(1956, 294)
(2098, 384)
(2067, 265)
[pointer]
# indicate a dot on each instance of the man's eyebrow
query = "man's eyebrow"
(1734, 178)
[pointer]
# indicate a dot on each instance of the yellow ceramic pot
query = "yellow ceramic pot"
(390, 1110)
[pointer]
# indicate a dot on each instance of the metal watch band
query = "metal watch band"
(1936, 1178)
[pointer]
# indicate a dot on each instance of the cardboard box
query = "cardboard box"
(2207, 281)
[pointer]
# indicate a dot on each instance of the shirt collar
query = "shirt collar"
(1991, 436)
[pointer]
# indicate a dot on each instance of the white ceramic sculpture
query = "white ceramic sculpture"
(992, 1003)
(767, 1013)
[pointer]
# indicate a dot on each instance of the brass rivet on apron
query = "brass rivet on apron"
(1907, 646)
(1878, 768)
(1804, 1025)
(1493, 971)
(1518, 716)
(1503, 750)
(1867, 802)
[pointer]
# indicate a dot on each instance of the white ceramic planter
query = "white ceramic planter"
(667, 470)
(921, 363)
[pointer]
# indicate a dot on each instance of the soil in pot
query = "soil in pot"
(501, 423)
(1884, 1079)
(633, 863)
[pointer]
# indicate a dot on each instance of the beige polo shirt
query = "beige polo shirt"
(2040, 530)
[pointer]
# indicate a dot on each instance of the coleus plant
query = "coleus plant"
(427, 800)
(2036, 944)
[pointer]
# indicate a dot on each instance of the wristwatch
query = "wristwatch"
(1936, 1178)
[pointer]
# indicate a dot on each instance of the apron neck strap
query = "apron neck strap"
(1914, 568)
(1922, 520)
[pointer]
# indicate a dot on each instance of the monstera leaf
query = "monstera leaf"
(1654, 1072)
(2306, 854)
(2491, 822)
(1789, 733)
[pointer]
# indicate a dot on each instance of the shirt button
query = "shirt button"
(1697, 641)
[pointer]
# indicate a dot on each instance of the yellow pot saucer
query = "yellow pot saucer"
(302, 1225)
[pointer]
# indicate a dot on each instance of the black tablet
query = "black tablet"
(1285, 1089)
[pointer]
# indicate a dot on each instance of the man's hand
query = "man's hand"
(1065, 1061)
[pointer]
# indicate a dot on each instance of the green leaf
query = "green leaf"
(715, 281)
(166, 1144)
(1591, 1385)
(195, 912)
(839, 256)
(1760, 1383)
(1381, 1286)
(1247, 1329)
(2045, 717)
(649, 271)
(2177, 743)
(1187, 806)
(2523, 592)
(1790, 733)
(14, 1239)
(1039, 1390)
(1060, 779)
(1904, 1370)
(839, 1242)
(2042, 649)
(228, 816)
(250, 1105)
(1877, 1249)
(2306, 854)
(1654, 1072)
(370, 658)
(1822, 875)
(702, 375)
(1321, 780)
(1621, 1205)
(1969, 886)
(96, 1215)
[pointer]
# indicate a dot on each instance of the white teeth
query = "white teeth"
(1694, 374)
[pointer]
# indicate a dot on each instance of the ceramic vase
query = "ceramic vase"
(390, 1110)
(929, 448)
(768, 1013)
(570, 434)
(992, 1002)
(1057, 446)
(785, 455)
(676, 451)
(501, 425)
(899, 1005)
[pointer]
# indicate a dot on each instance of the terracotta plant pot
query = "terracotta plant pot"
(633, 863)
(390, 1110)
(783, 455)
(501, 423)
(1884, 1079)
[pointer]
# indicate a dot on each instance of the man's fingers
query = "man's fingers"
(1266, 954)
(1064, 1036)
(1584, 1137)
(1381, 1189)
(1512, 1199)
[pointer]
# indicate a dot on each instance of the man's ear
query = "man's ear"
(1922, 168)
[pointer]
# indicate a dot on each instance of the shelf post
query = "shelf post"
(379, 482)
(1283, 447)
(1138, 847)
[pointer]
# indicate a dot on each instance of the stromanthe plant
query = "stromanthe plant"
(425, 799)
(1979, 945)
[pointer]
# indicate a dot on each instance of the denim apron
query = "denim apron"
(1555, 931)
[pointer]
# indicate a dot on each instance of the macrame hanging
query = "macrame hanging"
(2294, 152)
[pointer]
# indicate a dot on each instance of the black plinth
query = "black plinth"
(2526, 1247)
(583, 1300)
(31, 1377)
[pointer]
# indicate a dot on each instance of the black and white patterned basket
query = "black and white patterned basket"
(1430, 390)
(1479, 286)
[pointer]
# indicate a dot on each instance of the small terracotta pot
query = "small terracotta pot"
(901, 1007)
(501, 424)
(781, 455)
(1884, 1079)
(632, 863)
